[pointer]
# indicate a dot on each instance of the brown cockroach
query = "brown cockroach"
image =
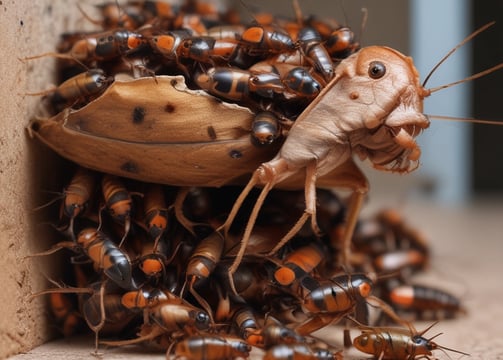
(151, 257)
(78, 88)
(300, 352)
(201, 264)
(311, 45)
(299, 262)
(78, 193)
(330, 300)
(172, 317)
(99, 47)
(75, 198)
(66, 316)
(103, 253)
(146, 298)
(106, 256)
(132, 14)
(422, 298)
(274, 333)
(102, 311)
(118, 202)
(245, 321)
(211, 347)
(156, 212)
(397, 343)
(340, 43)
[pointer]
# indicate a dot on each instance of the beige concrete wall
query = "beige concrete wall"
(27, 170)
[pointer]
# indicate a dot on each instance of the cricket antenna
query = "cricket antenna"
(468, 38)
(468, 120)
(469, 78)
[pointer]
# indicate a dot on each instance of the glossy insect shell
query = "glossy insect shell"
(155, 130)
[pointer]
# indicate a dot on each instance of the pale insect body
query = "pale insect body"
(372, 108)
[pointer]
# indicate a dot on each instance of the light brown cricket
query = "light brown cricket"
(372, 108)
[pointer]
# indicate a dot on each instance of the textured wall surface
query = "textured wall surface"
(27, 170)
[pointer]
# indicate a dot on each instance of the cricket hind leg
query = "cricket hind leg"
(309, 212)
(268, 175)
(348, 176)
(239, 201)
(246, 236)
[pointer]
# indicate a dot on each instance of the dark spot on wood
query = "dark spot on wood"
(130, 167)
(235, 154)
(21, 22)
(138, 115)
(211, 132)
(174, 82)
(169, 108)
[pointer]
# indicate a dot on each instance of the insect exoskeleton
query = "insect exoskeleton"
(397, 343)
(298, 263)
(212, 347)
(265, 128)
(78, 89)
(260, 40)
(107, 256)
(423, 298)
(311, 44)
(341, 43)
(300, 351)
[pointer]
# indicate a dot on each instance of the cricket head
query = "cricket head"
(383, 101)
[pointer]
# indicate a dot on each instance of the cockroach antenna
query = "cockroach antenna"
(248, 10)
(298, 12)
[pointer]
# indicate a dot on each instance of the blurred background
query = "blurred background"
(460, 162)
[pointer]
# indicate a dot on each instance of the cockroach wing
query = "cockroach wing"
(156, 130)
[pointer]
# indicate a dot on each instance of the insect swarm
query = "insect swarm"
(139, 116)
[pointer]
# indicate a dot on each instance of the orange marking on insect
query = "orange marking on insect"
(253, 34)
(284, 276)
(165, 42)
(152, 266)
(403, 296)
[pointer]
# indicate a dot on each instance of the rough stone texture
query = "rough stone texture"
(27, 170)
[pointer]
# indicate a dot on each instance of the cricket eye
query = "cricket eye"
(376, 69)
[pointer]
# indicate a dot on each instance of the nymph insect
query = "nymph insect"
(398, 343)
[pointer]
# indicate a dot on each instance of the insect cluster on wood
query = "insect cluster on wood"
(168, 111)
